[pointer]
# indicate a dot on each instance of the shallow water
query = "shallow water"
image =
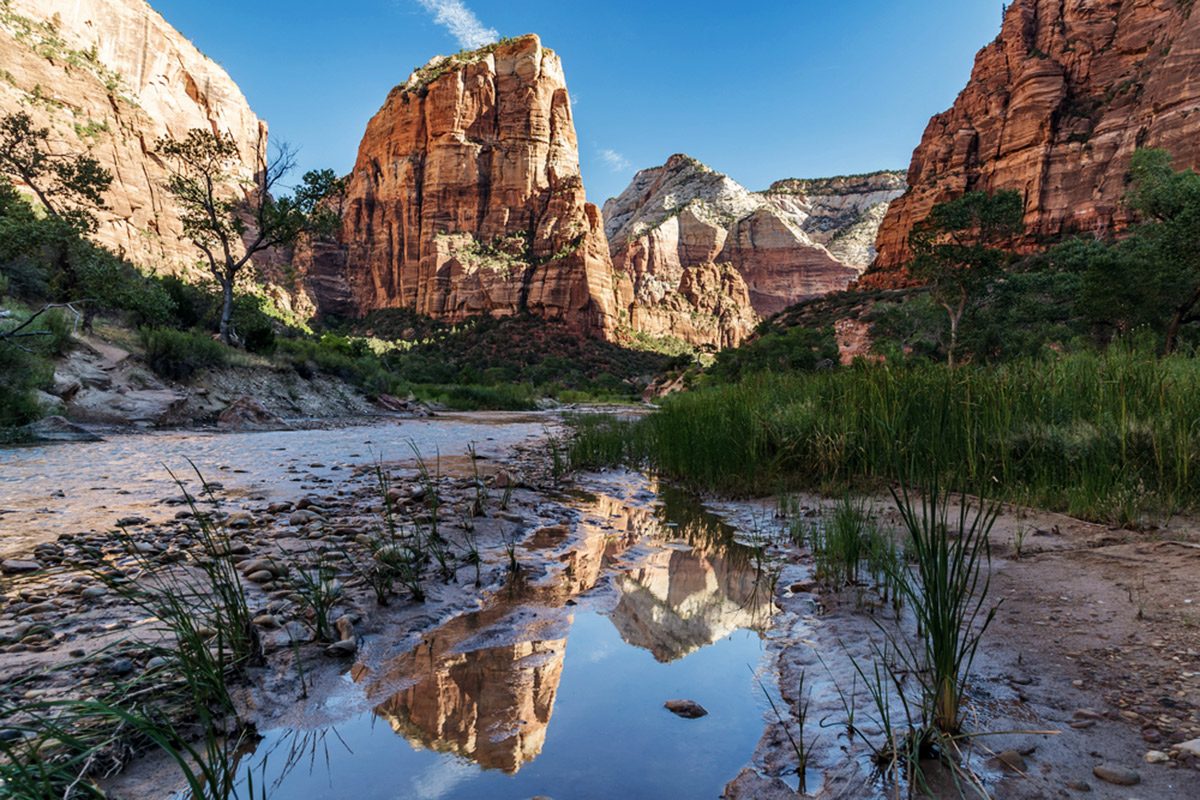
(558, 691)
(48, 490)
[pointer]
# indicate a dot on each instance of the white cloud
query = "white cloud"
(616, 162)
(461, 22)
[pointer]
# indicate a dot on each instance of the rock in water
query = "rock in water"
(58, 429)
(1055, 108)
(688, 709)
(248, 414)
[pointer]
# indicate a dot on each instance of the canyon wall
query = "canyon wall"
(1055, 108)
(109, 77)
(705, 259)
(466, 199)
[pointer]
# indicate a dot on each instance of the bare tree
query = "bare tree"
(230, 220)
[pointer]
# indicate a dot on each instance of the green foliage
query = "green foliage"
(1107, 436)
(177, 355)
(69, 186)
(790, 350)
(958, 249)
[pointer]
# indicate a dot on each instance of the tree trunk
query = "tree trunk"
(227, 333)
(1173, 333)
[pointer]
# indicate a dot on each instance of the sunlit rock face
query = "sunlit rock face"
(705, 259)
(1055, 108)
(491, 705)
(466, 200)
(109, 77)
(683, 600)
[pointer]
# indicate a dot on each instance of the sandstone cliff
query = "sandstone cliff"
(110, 77)
(706, 259)
(466, 199)
(1055, 108)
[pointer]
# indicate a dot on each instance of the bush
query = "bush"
(178, 355)
(791, 350)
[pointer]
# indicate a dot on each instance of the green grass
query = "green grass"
(1110, 436)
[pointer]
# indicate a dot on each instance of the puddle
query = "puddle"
(48, 490)
(558, 691)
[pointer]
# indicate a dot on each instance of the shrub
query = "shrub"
(177, 355)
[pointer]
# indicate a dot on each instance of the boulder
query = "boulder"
(57, 429)
(248, 414)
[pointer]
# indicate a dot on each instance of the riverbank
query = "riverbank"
(1094, 640)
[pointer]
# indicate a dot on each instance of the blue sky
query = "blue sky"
(760, 90)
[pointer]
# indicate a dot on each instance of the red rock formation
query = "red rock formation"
(1055, 108)
(110, 77)
(705, 259)
(466, 199)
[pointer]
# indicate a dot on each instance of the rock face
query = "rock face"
(704, 259)
(1055, 108)
(110, 77)
(466, 199)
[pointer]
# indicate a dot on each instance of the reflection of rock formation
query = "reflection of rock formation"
(483, 685)
(682, 600)
(491, 704)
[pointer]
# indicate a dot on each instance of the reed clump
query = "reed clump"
(1107, 436)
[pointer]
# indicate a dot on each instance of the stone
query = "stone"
(688, 709)
(57, 429)
(1013, 760)
(1079, 786)
(249, 414)
(269, 621)
(1055, 108)
(1156, 757)
(131, 521)
(346, 647)
(16, 566)
(261, 576)
(1116, 775)
(1191, 748)
(94, 592)
(483, 211)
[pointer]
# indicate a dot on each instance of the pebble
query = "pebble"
(1156, 757)
(266, 621)
(129, 522)
(1191, 748)
(121, 666)
(688, 709)
(1116, 775)
(346, 647)
(1013, 760)
(1079, 786)
(16, 566)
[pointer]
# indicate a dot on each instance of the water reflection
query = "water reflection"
(484, 685)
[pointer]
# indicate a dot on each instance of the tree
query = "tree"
(1162, 251)
(958, 249)
(231, 220)
(70, 186)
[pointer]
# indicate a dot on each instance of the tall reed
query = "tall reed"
(1110, 436)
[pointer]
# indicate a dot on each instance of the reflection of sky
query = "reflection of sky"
(440, 778)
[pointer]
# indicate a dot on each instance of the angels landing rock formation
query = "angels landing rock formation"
(1055, 108)
(707, 259)
(466, 199)
(110, 77)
